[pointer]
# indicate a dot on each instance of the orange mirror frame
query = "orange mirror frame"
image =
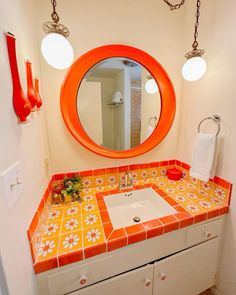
(74, 78)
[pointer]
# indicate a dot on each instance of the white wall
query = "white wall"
(26, 143)
(150, 26)
(215, 93)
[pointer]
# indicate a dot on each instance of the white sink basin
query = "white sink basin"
(146, 204)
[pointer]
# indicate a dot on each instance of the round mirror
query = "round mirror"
(118, 103)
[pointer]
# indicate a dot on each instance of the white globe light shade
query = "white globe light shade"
(151, 86)
(194, 68)
(57, 51)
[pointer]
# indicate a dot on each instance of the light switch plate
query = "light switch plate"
(12, 184)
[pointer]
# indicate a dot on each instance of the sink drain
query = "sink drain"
(136, 219)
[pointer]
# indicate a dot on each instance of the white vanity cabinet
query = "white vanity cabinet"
(182, 262)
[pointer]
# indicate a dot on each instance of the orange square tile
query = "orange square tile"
(52, 228)
(86, 173)
(222, 182)
(40, 207)
(99, 180)
(90, 207)
(70, 242)
(200, 217)
(213, 213)
(117, 233)
(206, 204)
(171, 201)
(58, 176)
(33, 226)
(70, 257)
(88, 181)
(95, 250)
(184, 219)
(108, 228)
(72, 210)
(105, 216)
(102, 206)
(71, 224)
(91, 219)
(154, 228)
(45, 265)
(180, 209)
(48, 248)
(88, 198)
(220, 193)
(135, 233)
(193, 208)
(113, 244)
(93, 235)
(111, 179)
(170, 223)
(224, 210)
(55, 213)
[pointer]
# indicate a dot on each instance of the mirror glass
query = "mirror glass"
(118, 103)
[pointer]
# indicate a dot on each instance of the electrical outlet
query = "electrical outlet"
(12, 184)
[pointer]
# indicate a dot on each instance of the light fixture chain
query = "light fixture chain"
(174, 6)
(54, 14)
(195, 43)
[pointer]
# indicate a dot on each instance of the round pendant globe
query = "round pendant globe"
(194, 68)
(151, 86)
(57, 51)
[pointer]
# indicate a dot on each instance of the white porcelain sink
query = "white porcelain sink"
(145, 204)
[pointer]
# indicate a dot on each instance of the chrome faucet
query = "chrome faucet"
(127, 182)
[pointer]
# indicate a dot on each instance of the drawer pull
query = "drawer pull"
(162, 276)
(208, 234)
(147, 282)
(83, 280)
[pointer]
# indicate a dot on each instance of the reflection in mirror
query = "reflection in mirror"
(118, 103)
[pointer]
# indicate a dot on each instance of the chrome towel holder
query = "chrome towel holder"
(215, 118)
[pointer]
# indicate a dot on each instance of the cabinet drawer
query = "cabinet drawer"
(136, 282)
(83, 275)
(204, 232)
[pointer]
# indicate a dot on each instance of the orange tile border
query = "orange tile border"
(95, 250)
(154, 228)
(135, 233)
(45, 265)
(71, 257)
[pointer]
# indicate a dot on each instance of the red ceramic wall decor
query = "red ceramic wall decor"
(39, 100)
(31, 94)
(21, 104)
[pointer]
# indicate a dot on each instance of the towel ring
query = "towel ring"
(152, 118)
(215, 118)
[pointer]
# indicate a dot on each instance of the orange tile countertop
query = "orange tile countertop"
(65, 233)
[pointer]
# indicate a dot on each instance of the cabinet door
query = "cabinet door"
(188, 272)
(136, 282)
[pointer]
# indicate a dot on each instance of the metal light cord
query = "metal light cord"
(174, 6)
(195, 43)
(54, 14)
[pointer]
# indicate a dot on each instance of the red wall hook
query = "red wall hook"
(21, 104)
(39, 100)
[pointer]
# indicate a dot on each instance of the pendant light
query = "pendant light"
(55, 48)
(195, 66)
(151, 85)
